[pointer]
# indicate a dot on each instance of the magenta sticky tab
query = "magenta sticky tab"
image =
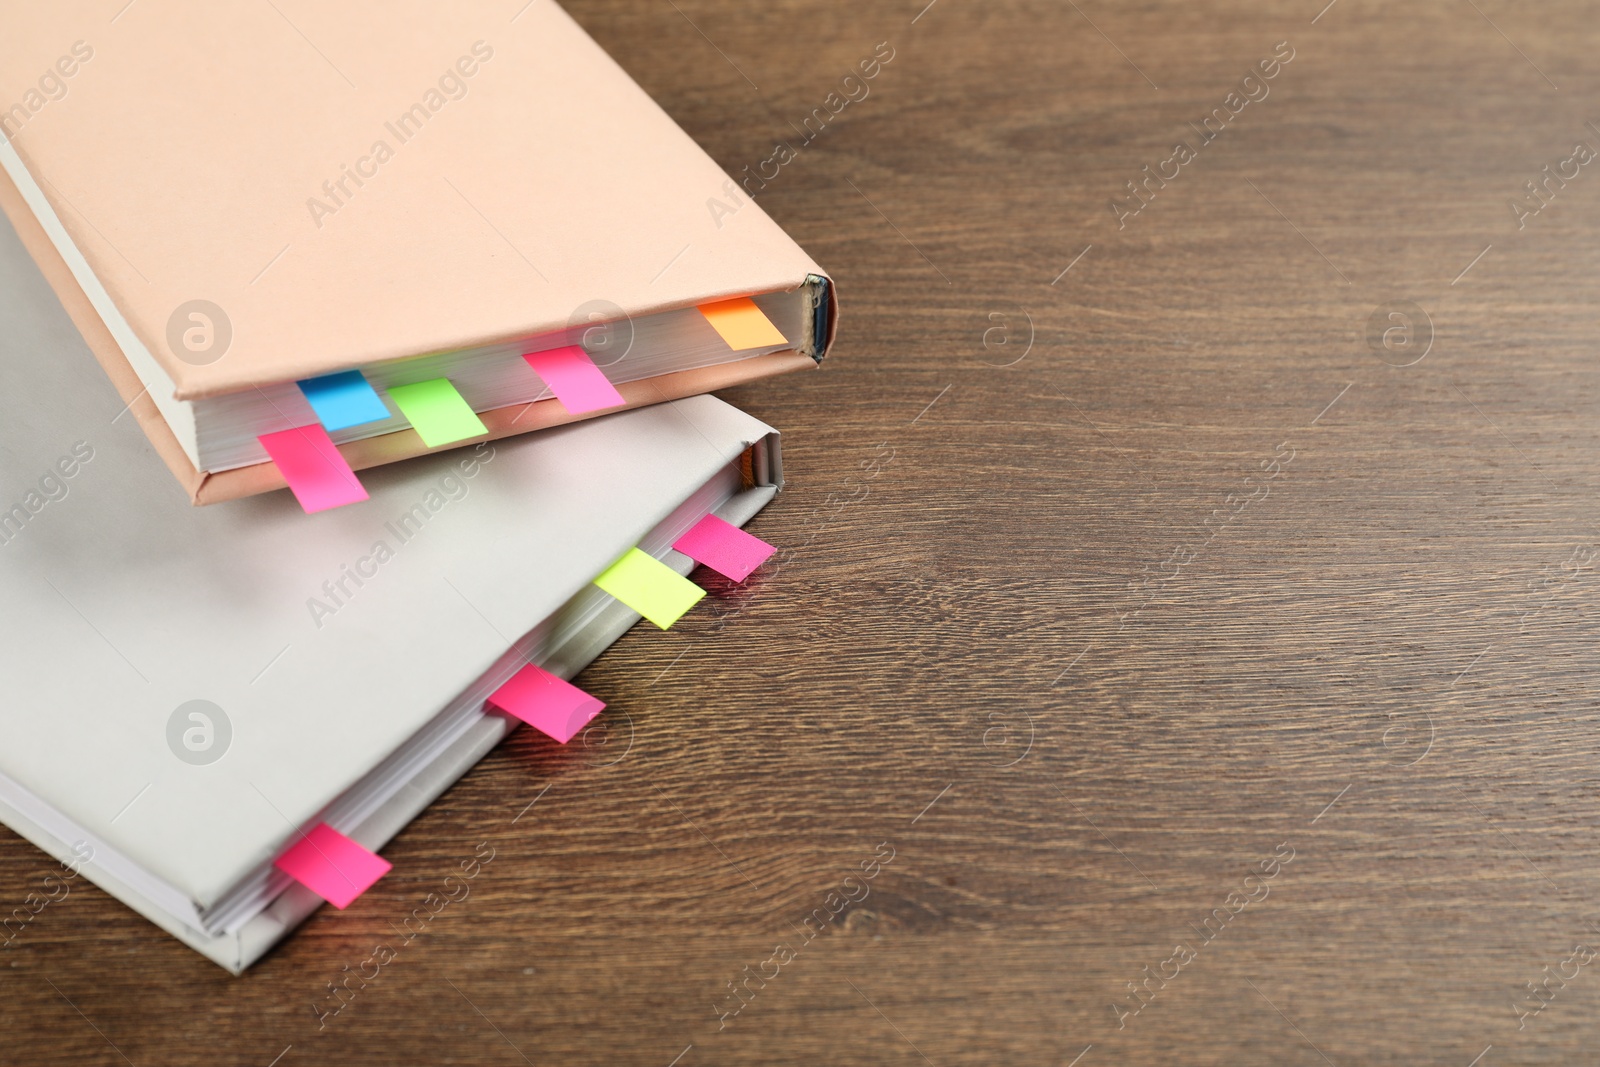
(317, 474)
(724, 548)
(332, 866)
(573, 377)
(549, 704)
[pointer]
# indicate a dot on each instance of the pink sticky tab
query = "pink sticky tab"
(317, 474)
(546, 703)
(724, 548)
(332, 866)
(573, 377)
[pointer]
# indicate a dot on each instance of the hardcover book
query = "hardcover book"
(417, 227)
(189, 692)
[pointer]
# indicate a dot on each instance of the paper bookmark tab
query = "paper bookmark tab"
(549, 704)
(317, 474)
(650, 587)
(332, 866)
(440, 415)
(724, 548)
(742, 324)
(573, 377)
(343, 400)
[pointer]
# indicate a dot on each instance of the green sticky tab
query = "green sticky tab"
(437, 412)
(650, 587)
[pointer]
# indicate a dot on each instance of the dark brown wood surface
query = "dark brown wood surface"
(1106, 594)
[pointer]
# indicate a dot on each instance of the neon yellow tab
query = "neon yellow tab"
(650, 587)
(438, 413)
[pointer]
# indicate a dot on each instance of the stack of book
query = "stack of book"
(323, 280)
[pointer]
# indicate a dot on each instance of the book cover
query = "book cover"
(339, 667)
(348, 187)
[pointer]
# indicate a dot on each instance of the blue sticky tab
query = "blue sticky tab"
(343, 400)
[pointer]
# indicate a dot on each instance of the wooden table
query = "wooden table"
(1187, 646)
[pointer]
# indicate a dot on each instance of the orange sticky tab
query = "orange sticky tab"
(742, 324)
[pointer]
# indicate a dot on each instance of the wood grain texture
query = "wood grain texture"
(1084, 629)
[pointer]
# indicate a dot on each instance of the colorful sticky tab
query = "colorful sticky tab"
(343, 400)
(573, 377)
(650, 587)
(317, 474)
(546, 703)
(440, 415)
(724, 548)
(742, 324)
(332, 866)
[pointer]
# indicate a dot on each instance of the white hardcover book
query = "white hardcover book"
(341, 661)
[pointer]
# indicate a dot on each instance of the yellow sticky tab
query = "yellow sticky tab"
(650, 587)
(742, 324)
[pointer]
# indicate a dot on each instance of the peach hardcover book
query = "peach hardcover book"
(401, 227)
